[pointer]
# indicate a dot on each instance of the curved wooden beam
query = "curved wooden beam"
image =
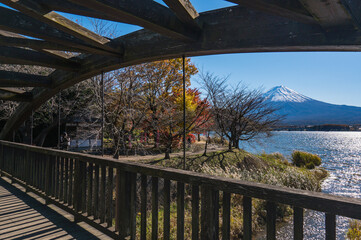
(16, 79)
(37, 11)
(148, 14)
(17, 22)
(229, 30)
(11, 55)
(17, 95)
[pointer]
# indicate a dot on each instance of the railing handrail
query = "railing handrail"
(337, 205)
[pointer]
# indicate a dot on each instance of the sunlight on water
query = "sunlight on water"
(341, 156)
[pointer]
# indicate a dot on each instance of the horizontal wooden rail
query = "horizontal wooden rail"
(99, 190)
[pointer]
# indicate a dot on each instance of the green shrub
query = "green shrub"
(354, 232)
(305, 159)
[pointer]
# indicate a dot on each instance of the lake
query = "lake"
(341, 156)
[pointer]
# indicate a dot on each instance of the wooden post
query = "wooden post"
(143, 210)
(90, 189)
(77, 187)
(330, 226)
(166, 217)
(83, 171)
(271, 220)
(109, 198)
(154, 208)
(226, 216)
(180, 211)
(247, 218)
(209, 209)
(71, 176)
(61, 185)
(66, 180)
(96, 192)
(102, 194)
(47, 177)
(195, 212)
(298, 223)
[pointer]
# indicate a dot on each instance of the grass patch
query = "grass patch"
(273, 169)
(305, 159)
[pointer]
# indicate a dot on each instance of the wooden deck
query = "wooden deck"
(25, 216)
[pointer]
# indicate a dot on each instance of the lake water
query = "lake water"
(341, 156)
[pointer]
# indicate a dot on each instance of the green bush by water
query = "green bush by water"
(305, 159)
(354, 232)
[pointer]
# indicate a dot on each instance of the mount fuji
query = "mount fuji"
(302, 110)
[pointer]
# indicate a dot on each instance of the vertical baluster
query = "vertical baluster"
(102, 194)
(27, 170)
(77, 187)
(271, 220)
(56, 177)
(143, 221)
(298, 223)
(109, 198)
(330, 226)
(31, 169)
(133, 207)
(52, 169)
(247, 218)
(42, 173)
(180, 210)
(66, 180)
(154, 208)
(166, 218)
(47, 176)
(96, 192)
(1, 158)
(61, 184)
(209, 213)
(119, 196)
(226, 216)
(71, 177)
(195, 212)
(90, 189)
(37, 172)
(12, 164)
(83, 185)
(125, 218)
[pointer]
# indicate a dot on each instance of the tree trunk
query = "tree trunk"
(236, 143)
(156, 138)
(206, 145)
(168, 151)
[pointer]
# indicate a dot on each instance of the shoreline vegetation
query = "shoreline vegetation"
(266, 168)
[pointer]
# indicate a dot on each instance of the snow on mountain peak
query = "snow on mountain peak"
(284, 94)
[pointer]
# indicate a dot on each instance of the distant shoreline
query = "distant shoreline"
(324, 127)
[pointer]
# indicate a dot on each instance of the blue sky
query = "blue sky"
(332, 77)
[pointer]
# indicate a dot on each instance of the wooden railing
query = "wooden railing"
(84, 186)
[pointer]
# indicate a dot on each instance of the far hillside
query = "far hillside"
(302, 110)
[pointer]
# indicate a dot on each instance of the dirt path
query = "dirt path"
(197, 145)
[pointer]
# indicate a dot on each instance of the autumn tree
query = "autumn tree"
(124, 108)
(239, 113)
(171, 119)
(162, 79)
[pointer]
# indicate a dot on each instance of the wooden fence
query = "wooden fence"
(112, 195)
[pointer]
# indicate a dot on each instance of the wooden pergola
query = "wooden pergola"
(34, 33)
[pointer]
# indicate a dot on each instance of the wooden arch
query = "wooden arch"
(33, 33)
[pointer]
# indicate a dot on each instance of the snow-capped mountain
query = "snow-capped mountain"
(302, 110)
(284, 94)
